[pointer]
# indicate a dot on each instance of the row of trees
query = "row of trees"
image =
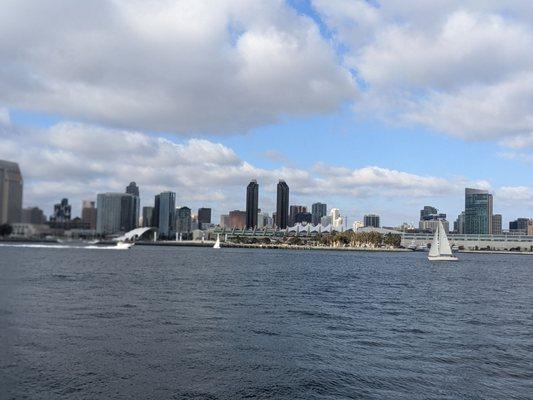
(361, 239)
(344, 239)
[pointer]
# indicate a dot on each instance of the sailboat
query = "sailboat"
(440, 246)
(217, 243)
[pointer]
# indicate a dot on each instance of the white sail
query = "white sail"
(217, 243)
(444, 244)
(434, 250)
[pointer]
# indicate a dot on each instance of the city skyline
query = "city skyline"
(342, 113)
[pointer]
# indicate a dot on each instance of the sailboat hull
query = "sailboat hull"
(442, 258)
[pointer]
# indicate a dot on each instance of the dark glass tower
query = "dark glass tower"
(478, 212)
(252, 204)
(282, 205)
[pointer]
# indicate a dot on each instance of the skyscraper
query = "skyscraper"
(167, 215)
(293, 210)
(497, 224)
(318, 210)
(204, 216)
(62, 212)
(33, 215)
(252, 204)
(237, 219)
(115, 214)
(372, 220)
(459, 224)
(148, 216)
(183, 220)
(11, 184)
(427, 210)
(282, 205)
(133, 189)
(88, 213)
(519, 225)
(478, 212)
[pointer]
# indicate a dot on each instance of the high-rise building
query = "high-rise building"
(519, 225)
(204, 216)
(11, 185)
(225, 221)
(459, 224)
(133, 189)
(33, 215)
(371, 220)
(293, 210)
(282, 205)
(167, 215)
(252, 204)
(497, 224)
(264, 220)
(183, 220)
(336, 219)
(116, 213)
(89, 214)
(237, 219)
(62, 212)
(318, 210)
(427, 210)
(303, 217)
(148, 216)
(478, 212)
(429, 220)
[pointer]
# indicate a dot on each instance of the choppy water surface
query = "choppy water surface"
(187, 323)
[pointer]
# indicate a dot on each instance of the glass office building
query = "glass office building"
(478, 212)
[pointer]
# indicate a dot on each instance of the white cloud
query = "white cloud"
(513, 194)
(77, 161)
(459, 67)
(174, 66)
(4, 116)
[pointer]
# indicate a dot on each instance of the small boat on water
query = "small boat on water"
(440, 246)
(217, 243)
(124, 245)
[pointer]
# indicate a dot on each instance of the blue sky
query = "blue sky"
(359, 104)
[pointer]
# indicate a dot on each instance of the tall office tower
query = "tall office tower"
(11, 185)
(33, 215)
(183, 220)
(519, 225)
(282, 205)
(133, 189)
(429, 219)
(148, 216)
(318, 210)
(62, 212)
(225, 221)
(204, 216)
(303, 217)
(155, 215)
(336, 219)
(167, 215)
(372, 220)
(252, 204)
(237, 219)
(478, 212)
(293, 210)
(427, 210)
(116, 213)
(497, 224)
(459, 224)
(88, 214)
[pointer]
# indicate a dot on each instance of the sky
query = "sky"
(369, 106)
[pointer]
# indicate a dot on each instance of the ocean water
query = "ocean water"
(197, 323)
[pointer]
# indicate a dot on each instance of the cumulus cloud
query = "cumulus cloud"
(462, 68)
(173, 66)
(79, 160)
